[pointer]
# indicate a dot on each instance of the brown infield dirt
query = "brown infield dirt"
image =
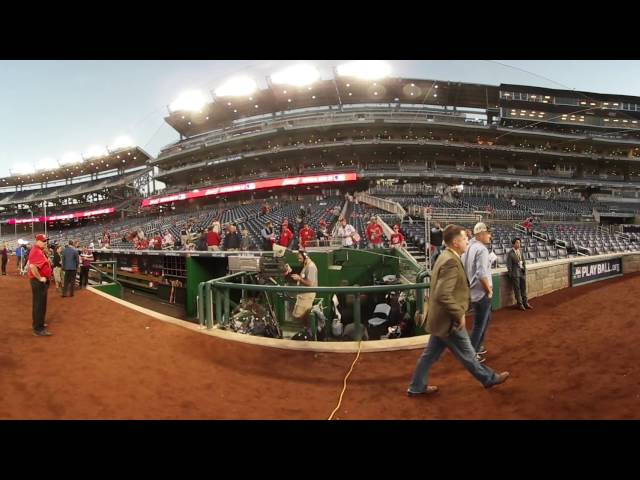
(575, 356)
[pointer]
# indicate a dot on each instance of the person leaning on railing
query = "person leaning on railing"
(85, 258)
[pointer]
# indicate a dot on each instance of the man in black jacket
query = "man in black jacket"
(201, 243)
(231, 239)
(517, 267)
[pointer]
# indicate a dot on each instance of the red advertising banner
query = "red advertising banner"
(251, 186)
(68, 216)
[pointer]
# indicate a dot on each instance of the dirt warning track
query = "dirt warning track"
(576, 356)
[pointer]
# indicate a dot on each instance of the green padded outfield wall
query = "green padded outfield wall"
(112, 289)
(202, 269)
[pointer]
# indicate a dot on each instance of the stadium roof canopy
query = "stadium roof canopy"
(605, 97)
(223, 111)
(123, 158)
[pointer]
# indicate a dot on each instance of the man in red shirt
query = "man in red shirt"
(157, 243)
(213, 240)
(286, 235)
(307, 235)
(397, 239)
(39, 275)
(374, 233)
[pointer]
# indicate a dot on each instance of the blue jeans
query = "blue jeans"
(460, 345)
(481, 319)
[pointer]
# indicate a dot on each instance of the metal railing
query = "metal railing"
(113, 278)
(215, 295)
(383, 204)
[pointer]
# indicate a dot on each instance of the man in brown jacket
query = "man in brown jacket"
(448, 303)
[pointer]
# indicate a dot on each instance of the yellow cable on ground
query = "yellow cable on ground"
(344, 385)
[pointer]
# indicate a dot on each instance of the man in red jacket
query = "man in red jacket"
(374, 233)
(39, 275)
(286, 235)
(307, 235)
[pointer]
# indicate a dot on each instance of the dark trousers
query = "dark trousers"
(69, 282)
(520, 289)
(4, 266)
(39, 305)
(84, 276)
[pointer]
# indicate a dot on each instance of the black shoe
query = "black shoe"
(527, 305)
(430, 389)
(42, 333)
(521, 307)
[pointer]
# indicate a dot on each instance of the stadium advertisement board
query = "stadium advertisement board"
(588, 272)
(68, 216)
(251, 186)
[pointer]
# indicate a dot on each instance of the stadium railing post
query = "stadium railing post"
(218, 306)
(208, 292)
(356, 317)
(226, 305)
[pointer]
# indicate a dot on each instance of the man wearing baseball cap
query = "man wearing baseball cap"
(39, 275)
(477, 266)
(323, 234)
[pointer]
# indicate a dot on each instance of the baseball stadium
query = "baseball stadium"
(279, 260)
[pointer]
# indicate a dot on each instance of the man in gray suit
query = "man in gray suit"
(517, 268)
(448, 303)
(70, 262)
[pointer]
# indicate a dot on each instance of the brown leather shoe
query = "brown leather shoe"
(501, 378)
(528, 305)
(430, 389)
(522, 307)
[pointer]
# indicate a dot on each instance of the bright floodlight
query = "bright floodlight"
(297, 75)
(96, 151)
(70, 158)
(365, 69)
(189, 100)
(23, 169)
(47, 164)
(237, 87)
(122, 142)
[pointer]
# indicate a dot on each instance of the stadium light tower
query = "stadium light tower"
(121, 142)
(237, 87)
(47, 164)
(296, 75)
(32, 227)
(70, 158)
(96, 151)
(22, 169)
(189, 101)
(365, 69)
